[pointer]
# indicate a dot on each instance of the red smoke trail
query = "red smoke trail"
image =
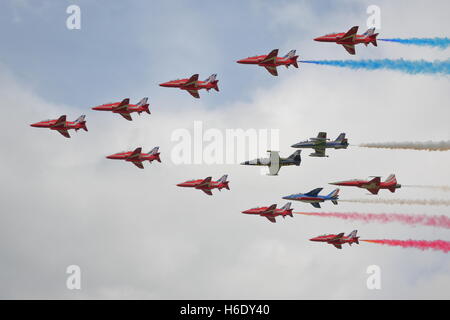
(425, 220)
(419, 244)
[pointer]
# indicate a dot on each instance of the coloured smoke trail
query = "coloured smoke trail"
(439, 221)
(406, 66)
(420, 202)
(441, 43)
(423, 146)
(418, 244)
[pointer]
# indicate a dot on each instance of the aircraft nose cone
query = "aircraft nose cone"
(287, 197)
(245, 163)
(164, 84)
(33, 125)
(334, 183)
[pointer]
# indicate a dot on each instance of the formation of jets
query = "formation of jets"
(338, 240)
(373, 185)
(207, 184)
(192, 85)
(350, 38)
(274, 162)
(314, 198)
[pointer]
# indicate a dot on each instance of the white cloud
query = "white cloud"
(136, 235)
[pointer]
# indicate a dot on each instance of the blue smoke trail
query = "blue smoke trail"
(406, 66)
(441, 43)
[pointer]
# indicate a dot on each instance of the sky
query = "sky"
(133, 233)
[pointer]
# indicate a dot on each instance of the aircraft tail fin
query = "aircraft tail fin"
(142, 102)
(369, 32)
(223, 178)
(82, 121)
(290, 54)
(352, 235)
(155, 152)
(296, 157)
(340, 138)
(211, 78)
(373, 39)
(391, 179)
(293, 57)
(334, 194)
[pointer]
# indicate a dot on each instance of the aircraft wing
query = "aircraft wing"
(126, 116)
(273, 70)
(374, 191)
(136, 153)
(376, 180)
(314, 192)
(271, 219)
(338, 237)
(320, 151)
(61, 122)
(123, 105)
(194, 93)
(192, 80)
(205, 182)
(350, 48)
(271, 56)
(315, 205)
(138, 164)
(64, 132)
(337, 245)
(274, 166)
(350, 35)
(270, 209)
(207, 191)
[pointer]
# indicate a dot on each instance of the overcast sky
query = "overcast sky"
(133, 233)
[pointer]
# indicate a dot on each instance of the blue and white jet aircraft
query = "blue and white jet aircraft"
(321, 143)
(314, 198)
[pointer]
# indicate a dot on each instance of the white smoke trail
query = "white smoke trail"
(422, 202)
(441, 188)
(427, 146)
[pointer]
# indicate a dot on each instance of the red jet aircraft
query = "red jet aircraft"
(192, 85)
(349, 39)
(272, 211)
(272, 61)
(137, 157)
(338, 240)
(373, 185)
(124, 108)
(206, 185)
(62, 126)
